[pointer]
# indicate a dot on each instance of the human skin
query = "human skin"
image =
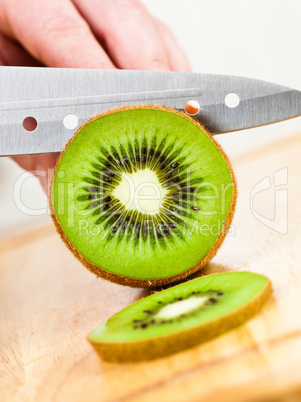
(100, 34)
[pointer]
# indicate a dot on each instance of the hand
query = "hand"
(84, 34)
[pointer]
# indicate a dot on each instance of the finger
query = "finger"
(178, 60)
(12, 54)
(129, 33)
(41, 165)
(54, 33)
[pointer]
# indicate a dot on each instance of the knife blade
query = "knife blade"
(50, 94)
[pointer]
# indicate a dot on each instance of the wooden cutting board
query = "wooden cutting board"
(49, 303)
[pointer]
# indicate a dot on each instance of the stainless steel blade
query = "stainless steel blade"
(49, 95)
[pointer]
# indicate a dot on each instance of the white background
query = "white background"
(253, 38)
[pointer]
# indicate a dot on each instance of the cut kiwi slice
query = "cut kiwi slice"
(143, 195)
(181, 316)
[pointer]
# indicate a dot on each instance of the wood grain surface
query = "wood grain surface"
(49, 303)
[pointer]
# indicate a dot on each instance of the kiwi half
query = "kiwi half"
(181, 316)
(143, 195)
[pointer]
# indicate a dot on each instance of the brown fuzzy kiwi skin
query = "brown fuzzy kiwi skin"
(135, 282)
(149, 349)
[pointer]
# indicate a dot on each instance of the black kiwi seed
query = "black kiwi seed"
(168, 176)
(144, 229)
(220, 293)
(147, 312)
(144, 325)
(107, 199)
(195, 208)
(212, 300)
(162, 159)
(165, 230)
(174, 165)
(143, 151)
(143, 159)
(186, 190)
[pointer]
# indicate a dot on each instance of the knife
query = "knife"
(50, 94)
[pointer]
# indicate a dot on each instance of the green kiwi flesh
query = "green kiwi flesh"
(142, 246)
(181, 316)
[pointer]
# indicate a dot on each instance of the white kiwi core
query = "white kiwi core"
(178, 308)
(140, 191)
